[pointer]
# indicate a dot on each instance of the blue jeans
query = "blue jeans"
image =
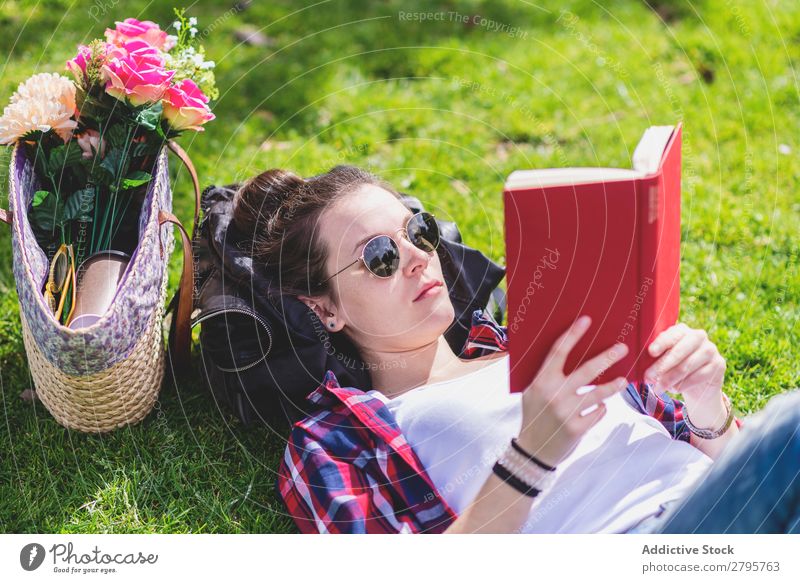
(752, 487)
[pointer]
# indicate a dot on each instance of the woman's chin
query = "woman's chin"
(440, 310)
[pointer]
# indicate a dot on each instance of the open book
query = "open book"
(598, 241)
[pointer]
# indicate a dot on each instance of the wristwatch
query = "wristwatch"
(709, 433)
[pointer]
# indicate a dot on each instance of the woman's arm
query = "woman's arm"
(498, 508)
(710, 415)
(690, 363)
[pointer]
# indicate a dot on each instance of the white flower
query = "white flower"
(207, 65)
(51, 85)
(192, 32)
(192, 21)
(177, 25)
(44, 102)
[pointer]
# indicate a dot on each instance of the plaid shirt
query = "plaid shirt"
(348, 468)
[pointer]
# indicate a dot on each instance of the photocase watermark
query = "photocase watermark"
(740, 22)
(547, 261)
(636, 308)
(236, 9)
(168, 446)
(489, 24)
(31, 556)
(513, 101)
(101, 8)
(350, 361)
(344, 157)
(539, 510)
(569, 21)
(777, 315)
(479, 469)
(629, 324)
(66, 560)
(688, 166)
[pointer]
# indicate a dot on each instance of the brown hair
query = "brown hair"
(281, 210)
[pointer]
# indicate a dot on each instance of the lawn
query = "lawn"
(443, 99)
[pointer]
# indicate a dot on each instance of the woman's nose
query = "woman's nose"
(415, 258)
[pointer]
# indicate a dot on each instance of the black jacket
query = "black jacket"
(263, 353)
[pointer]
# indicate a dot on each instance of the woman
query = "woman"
(441, 445)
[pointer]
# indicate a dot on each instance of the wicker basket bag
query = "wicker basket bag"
(107, 375)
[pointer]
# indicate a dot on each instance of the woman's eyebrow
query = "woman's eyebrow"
(408, 215)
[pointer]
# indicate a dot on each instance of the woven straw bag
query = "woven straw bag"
(109, 374)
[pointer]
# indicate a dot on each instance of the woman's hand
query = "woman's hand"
(691, 365)
(552, 424)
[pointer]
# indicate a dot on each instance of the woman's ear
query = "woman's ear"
(324, 310)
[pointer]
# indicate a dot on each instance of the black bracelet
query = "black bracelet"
(514, 481)
(533, 458)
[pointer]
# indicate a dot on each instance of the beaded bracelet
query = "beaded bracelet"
(525, 470)
(709, 433)
(516, 468)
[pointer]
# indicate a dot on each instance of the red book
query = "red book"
(598, 241)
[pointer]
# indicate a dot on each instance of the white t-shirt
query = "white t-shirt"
(620, 472)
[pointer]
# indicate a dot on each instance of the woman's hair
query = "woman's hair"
(280, 212)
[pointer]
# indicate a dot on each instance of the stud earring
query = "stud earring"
(330, 324)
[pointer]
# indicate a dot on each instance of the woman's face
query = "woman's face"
(380, 313)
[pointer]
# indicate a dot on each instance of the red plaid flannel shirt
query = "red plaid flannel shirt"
(348, 468)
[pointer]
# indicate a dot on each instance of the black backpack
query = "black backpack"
(263, 353)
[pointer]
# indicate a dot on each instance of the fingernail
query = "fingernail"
(655, 347)
(583, 321)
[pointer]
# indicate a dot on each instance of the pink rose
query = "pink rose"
(89, 142)
(144, 30)
(136, 71)
(185, 106)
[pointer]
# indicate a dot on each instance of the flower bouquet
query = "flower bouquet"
(95, 138)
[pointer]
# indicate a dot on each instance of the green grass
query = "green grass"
(444, 111)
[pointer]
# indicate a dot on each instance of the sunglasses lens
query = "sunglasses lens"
(59, 271)
(423, 231)
(381, 256)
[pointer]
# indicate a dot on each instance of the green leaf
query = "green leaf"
(112, 164)
(62, 157)
(160, 131)
(136, 179)
(141, 149)
(149, 117)
(80, 205)
(48, 213)
(116, 135)
(39, 196)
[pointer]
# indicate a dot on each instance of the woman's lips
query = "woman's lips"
(431, 291)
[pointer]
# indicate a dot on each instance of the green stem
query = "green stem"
(123, 172)
(124, 210)
(97, 188)
(101, 244)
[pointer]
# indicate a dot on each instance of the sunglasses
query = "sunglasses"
(61, 283)
(381, 255)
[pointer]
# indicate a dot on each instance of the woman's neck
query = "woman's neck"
(394, 373)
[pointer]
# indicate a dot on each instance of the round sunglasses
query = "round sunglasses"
(381, 255)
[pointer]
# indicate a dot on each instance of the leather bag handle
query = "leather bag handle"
(180, 338)
(180, 329)
(184, 157)
(6, 216)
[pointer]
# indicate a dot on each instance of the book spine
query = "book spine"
(649, 218)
